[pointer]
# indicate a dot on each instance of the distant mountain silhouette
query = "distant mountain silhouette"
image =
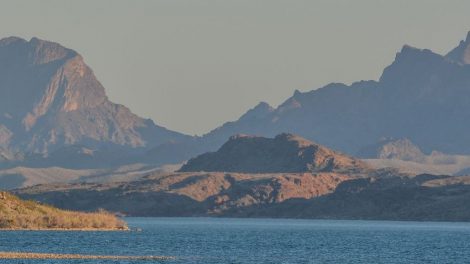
(422, 96)
(52, 107)
(50, 99)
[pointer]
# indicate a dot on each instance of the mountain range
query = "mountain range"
(421, 96)
(55, 113)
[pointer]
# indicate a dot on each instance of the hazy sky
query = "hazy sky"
(192, 65)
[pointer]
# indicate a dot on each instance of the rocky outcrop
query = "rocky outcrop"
(420, 198)
(406, 157)
(400, 149)
(285, 153)
(384, 195)
(187, 194)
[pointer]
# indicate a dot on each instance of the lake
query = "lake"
(224, 241)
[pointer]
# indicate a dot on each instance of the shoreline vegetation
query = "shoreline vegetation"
(28, 255)
(17, 214)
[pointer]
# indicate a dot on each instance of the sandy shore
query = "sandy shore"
(24, 255)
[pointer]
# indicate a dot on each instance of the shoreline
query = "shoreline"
(69, 229)
(30, 255)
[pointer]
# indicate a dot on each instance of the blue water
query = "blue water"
(224, 241)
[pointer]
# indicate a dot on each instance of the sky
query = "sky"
(191, 65)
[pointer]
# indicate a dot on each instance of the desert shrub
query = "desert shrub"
(16, 213)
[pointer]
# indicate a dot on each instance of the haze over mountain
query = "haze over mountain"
(406, 157)
(56, 113)
(51, 100)
(422, 96)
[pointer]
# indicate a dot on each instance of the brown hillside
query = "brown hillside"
(19, 214)
(286, 153)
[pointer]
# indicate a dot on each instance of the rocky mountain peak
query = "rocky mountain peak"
(389, 148)
(402, 149)
(297, 140)
(9, 40)
(43, 52)
(240, 136)
(51, 99)
(259, 111)
(33, 52)
(461, 54)
(411, 66)
(44, 78)
(409, 54)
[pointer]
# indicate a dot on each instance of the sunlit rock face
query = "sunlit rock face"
(285, 153)
(50, 99)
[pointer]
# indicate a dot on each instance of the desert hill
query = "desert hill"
(19, 214)
(384, 195)
(421, 198)
(272, 170)
(285, 153)
(186, 194)
(348, 189)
